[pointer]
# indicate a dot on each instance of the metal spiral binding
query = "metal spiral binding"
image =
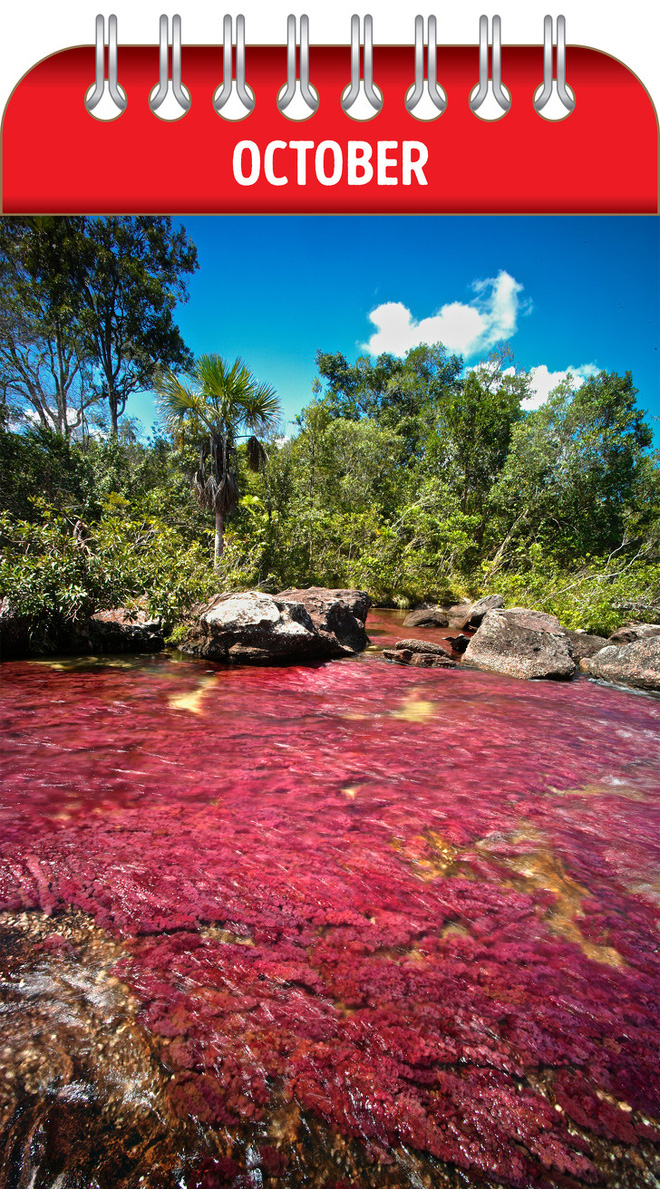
(426, 100)
(170, 99)
(490, 100)
(106, 92)
(234, 100)
(554, 100)
(298, 100)
(362, 100)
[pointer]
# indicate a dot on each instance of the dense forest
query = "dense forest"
(413, 478)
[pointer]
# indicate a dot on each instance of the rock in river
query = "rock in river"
(521, 643)
(459, 615)
(480, 609)
(583, 644)
(122, 630)
(427, 617)
(633, 631)
(337, 615)
(419, 652)
(253, 627)
(636, 664)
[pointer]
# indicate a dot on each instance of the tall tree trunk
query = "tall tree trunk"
(114, 420)
(219, 539)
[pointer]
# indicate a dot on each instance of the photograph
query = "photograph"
(329, 612)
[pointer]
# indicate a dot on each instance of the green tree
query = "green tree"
(45, 371)
(399, 394)
(215, 404)
(473, 432)
(106, 288)
(578, 474)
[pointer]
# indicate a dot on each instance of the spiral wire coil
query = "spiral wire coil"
(106, 87)
(233, 91)
(490, 88)
(362, 89)
(297, 87)
(169, 87)
(424, 87)
(361, 99)
(552, 87)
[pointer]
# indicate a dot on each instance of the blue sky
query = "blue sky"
(579, 292)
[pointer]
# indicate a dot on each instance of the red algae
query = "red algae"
(363, 893)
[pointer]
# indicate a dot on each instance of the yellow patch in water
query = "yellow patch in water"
(350, 793)
(416, 850)
(191, 700)
(86, 662)
(602, 790)
(215, 933)
(541, 870)
(415, 709)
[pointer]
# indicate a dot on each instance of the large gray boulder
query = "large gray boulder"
(257, 628)
(583, 644)
(521, 643)
(636, 664)
(480, 609)
(337, 615)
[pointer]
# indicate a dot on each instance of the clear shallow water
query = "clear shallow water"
(380, 924)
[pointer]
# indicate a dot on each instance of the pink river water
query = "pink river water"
(415, 909)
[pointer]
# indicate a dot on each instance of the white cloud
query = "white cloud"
(468, 328)
(543, 381)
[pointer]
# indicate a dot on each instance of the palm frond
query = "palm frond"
(178, 401)
(262, 409)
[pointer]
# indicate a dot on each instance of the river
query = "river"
(342, 925)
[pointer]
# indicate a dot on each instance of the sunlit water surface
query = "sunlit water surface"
(367, 925)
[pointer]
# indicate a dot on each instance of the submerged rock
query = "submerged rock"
(420, 652)
(521, 643)
(636, 664)
(256, 628)
(427, 617)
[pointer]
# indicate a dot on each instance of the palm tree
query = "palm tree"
(218, 403)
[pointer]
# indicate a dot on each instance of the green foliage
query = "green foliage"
(577, 478)
(593, 595)
(60, 576)
(405, 478)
